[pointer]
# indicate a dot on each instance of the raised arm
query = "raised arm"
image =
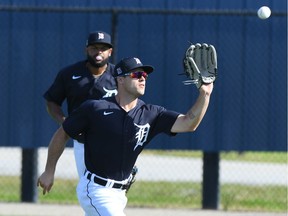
(194, 116)
(55, 150)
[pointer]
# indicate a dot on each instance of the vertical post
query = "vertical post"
(210, 190)
(29, 174)
(114, 35)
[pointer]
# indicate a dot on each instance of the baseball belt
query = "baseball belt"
(106, 182)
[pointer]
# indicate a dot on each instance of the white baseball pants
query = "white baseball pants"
(79, 157)
(97, 200)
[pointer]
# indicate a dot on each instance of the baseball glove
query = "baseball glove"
(200, 64)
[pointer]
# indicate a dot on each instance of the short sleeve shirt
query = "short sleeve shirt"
(76, 84)
(114, 137)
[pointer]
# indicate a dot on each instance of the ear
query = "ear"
(120, 80)
(110, 51)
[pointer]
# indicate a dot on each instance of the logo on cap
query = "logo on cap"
(137, 61)
(119, 71)
(100, 35)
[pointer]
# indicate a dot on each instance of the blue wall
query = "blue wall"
(248, 108)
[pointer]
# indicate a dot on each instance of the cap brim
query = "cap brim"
(147, 68)
(110, 45)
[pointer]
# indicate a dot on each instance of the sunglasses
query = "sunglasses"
(137, 74)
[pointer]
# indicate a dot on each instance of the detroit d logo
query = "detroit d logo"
(142, 134)
(100, 36)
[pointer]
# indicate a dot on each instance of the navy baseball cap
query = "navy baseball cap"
(99, 37)
(128, 64)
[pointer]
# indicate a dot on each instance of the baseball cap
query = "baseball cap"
(99, 37)
(128, 64)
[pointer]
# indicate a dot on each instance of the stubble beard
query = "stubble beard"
(93, 62)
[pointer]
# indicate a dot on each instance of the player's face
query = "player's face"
(98, 54)
(135, 82)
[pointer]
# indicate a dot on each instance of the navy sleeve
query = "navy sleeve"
(164, 121)
(77, 122)
(56, 92)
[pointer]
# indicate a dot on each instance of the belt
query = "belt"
(106, 183)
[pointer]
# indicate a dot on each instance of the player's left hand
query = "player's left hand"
(46, 181)
(206, 88)
(200, 64)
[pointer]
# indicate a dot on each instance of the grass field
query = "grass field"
(175, 194)
(166, 195)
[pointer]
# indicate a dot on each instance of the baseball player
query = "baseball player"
(88, 79)
(117, 129)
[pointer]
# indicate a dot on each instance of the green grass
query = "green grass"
(175, 194)
(188, 195)
(165, 195)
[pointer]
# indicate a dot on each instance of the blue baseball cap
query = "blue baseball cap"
(99, 37)
(128, 64)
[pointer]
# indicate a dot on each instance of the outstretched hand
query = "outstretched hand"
(46, 181)
(207, 88)
(200, 64)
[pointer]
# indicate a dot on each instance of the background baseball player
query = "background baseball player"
(117, 130)
(88, 79)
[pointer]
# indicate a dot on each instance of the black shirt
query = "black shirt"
(114, 138)
(76, 84)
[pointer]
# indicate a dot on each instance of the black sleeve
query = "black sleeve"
(56, 92)
(164, 121)
(77, 122)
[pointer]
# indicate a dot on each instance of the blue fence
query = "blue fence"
(248, 109)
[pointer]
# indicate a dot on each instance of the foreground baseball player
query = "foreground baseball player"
(91, 78)
(117, 130)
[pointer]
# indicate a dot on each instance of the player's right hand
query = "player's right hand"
(45, 181)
